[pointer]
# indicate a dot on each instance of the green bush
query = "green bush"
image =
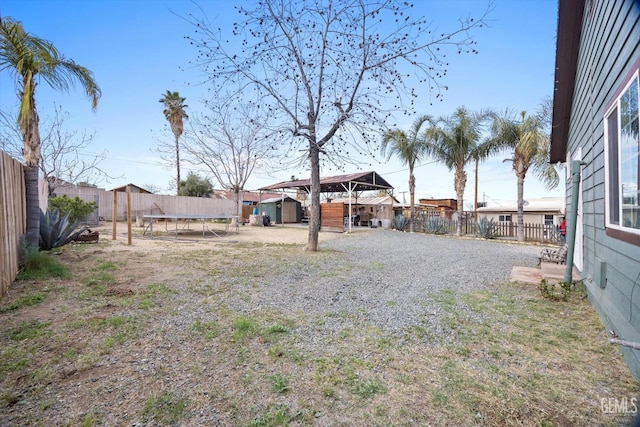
(76, 207)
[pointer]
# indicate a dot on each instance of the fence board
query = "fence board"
(12, 218)
(148, 204)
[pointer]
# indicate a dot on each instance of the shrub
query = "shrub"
(555, 292)
(399, 222)
(56, 231)
(76, 207)
(487, 229)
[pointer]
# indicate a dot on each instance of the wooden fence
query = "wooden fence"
(13, 216)
(545, 233)
(13, 219)
(147, 204)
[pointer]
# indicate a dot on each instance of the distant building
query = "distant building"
(545, 210)
(445, 208)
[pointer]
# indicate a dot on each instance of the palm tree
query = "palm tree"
(174, 112)
(409, 149)
(31, 60)
(530, 143)
(455, 141)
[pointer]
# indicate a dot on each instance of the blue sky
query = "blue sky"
(137, 51)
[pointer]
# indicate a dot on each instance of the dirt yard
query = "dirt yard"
(248, 329)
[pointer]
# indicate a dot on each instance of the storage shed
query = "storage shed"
(282, 210)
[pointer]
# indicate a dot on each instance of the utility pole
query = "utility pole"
(403, 199)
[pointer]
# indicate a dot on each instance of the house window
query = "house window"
(622, 145)
(548, 220)
(504, 218)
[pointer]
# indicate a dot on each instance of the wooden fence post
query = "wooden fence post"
(114, 212)
(129, 214)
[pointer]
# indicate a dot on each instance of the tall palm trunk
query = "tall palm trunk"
(32, 235)
(314, 220)
(177, 163)
(460, 182)
(520, 184)
(412, 193)
(31, 153)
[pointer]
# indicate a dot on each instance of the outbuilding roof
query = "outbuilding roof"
(362, 181)
(386, 200)
(279, 199)
(543, 204)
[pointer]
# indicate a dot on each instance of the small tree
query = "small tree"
(231, 140)
(75, 207)
(194, 186)
(330, 73)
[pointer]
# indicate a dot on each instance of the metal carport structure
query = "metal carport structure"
(361, 181)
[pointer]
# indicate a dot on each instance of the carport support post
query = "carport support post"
(129, 214)
(114, 212)
(573, 219)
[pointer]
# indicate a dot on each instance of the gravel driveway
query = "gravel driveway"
(385, 277)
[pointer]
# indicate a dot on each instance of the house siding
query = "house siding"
(609, 47)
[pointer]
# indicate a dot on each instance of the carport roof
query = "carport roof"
(362, 181)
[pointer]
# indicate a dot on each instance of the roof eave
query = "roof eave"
(570, 13)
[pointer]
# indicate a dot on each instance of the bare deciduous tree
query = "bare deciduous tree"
(331, 72)
(65, 154)
(232, 142)
(153, 188)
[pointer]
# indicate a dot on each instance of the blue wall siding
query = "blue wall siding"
(609, 46)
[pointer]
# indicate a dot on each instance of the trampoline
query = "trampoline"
(187, 218)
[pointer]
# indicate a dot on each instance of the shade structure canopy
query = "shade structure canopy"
(362, 181)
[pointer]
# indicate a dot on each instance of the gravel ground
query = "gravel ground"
(386, 278)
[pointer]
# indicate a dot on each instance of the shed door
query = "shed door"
(289, 212)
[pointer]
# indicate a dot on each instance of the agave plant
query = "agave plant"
(487, 229)
(434, 225)
(399, 222)
(56, 230)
